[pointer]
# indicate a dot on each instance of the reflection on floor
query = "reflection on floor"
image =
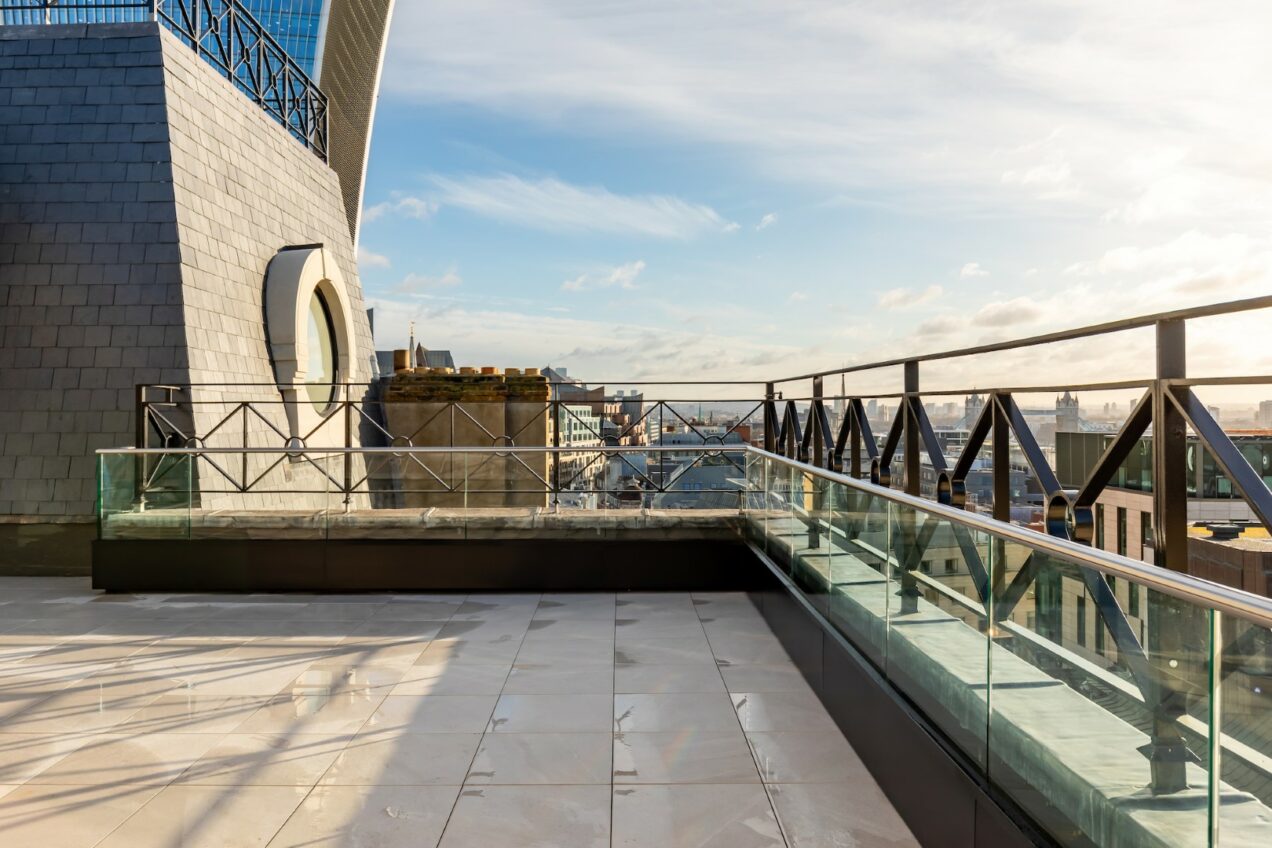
(374, 720)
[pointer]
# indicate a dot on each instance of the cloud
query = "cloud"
(556, 206)
(796, 297)
(588, 347)
(972, 269)
(1189, 250)
(1006, 313)
(939, 326)
(367, 259)
(417, 283)
(1084, 109)
(904, 298)
(767, 221)
(620, 276)
(406, 206)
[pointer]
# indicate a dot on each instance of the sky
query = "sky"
(745, 190)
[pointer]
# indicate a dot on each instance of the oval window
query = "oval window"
(321, 371)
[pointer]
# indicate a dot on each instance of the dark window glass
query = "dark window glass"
(1082, 622)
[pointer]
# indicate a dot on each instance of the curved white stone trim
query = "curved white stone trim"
(290, 281)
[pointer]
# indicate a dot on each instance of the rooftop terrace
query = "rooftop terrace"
(582, 719)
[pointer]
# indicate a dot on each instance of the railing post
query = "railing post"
(1000, 434)
(819, 460)
(556, 443)
(1171, 623)
(770, 419)
(348, 455)
(141, 412)
(913, 477)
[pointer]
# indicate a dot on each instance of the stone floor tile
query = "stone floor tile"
(553, 714)
(559, 679)
(548, 758)
(403, 759)
(789, 711)
(432, 714)
(460, 679)
(695, 816)
(369, 817)
(264, 759)
(34, 816)
(656, 679)
(223, 816)
(530, 817)
(687, 756)
(130, 758)
(678, 711)
(806, 757)
(857, 813)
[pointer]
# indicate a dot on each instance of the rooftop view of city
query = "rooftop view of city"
(636, 424)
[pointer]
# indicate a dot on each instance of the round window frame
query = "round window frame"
(294, 275)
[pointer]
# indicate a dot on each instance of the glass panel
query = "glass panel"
(861, 587)
(145, 496)
(1098, 726)
(1244, 683)
(937, 648)
(809, 540)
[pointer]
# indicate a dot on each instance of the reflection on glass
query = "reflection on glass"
(321, 368)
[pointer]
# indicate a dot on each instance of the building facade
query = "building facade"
(157, 226)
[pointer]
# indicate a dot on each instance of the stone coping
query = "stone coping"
(427, 524)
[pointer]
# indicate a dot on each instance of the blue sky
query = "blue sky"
(751, 188)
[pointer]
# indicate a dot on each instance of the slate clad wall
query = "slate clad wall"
(141, 198)
(90, 276)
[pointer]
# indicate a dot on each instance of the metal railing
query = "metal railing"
(1194, 590)
(223, 33)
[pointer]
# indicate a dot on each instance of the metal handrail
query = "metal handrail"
(1122, 324)
(711, 448)
(1183, 586)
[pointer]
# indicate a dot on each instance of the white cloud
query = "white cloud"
(903, 298)
(767, 221)
(620, 276)
(417, 283)
(406, 206)
(589, 348)
(972, 269)
(367, 259)
(1007, 313)
(796, 297)
(556, 206)
(1146, 109)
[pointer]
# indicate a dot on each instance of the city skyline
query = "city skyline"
(665, 182)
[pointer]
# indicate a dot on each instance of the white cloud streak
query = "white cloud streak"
(418, 283)
(368, 259)
(620, 276)
(905, 298)
(556, 206)
(972, 269)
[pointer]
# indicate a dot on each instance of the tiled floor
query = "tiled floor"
(372, 720)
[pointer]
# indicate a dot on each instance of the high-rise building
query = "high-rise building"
(297, 25)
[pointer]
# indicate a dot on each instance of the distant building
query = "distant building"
(425, 358)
